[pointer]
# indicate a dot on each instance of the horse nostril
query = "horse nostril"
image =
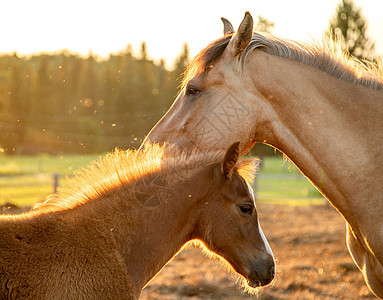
(183, 127)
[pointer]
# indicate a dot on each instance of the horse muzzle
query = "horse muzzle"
(262, 272)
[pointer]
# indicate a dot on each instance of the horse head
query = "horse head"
(210, 111)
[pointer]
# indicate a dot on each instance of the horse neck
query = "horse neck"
(148, 237)
(328, 127)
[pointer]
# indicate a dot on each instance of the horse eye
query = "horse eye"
(246, 209)
(192, 91)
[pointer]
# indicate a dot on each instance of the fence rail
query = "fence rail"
(25, 190)
(293, 189)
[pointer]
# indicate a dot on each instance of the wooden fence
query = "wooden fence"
(291, 189)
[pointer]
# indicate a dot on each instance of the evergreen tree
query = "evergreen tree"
(349, 26)
(16, 106)
(43, 110)
(143, 94)
(264, 25)
(180, 65)
(164, 90)
(62, 102)
(120, 94)
(89, 84)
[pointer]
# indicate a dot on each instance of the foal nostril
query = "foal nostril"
(272, 270)
(265, 273)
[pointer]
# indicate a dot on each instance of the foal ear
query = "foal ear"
(242, 37)
(227, 27)
(230, 160)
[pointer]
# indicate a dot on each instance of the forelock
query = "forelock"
(205, 59)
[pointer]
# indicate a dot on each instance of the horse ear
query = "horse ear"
(230, 160)
(227, 27)
(242, 37)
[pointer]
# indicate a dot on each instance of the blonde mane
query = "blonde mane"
(133, 168)
(327, 57)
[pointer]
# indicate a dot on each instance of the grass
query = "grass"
(25, 180)
(280, 182)
(278, 165)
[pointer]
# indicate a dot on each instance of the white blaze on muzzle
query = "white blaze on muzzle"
(267, 246)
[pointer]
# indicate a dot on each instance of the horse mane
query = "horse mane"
(133, 168)
(205, 59)
(327, 57)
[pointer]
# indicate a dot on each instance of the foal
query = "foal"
(127, 215)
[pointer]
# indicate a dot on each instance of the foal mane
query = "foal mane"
(132, 168)
(327, 57)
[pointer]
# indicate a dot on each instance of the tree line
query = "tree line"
(65, 103)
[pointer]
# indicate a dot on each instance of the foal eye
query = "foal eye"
(246, 209)
(192, 91)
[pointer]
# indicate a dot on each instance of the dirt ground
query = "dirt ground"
(313, 262)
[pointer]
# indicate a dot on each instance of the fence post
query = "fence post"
(55, 182)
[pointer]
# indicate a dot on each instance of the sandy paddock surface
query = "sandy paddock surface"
(308, 243)
(313, 262)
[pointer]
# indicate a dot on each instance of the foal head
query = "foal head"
(229, 224)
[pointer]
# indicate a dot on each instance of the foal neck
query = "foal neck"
(148, 237)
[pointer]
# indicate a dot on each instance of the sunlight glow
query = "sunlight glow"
(85, 26)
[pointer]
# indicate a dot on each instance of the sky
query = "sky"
(105, 27)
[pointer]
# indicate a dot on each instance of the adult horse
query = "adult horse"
(320, 108)
(124, 217)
